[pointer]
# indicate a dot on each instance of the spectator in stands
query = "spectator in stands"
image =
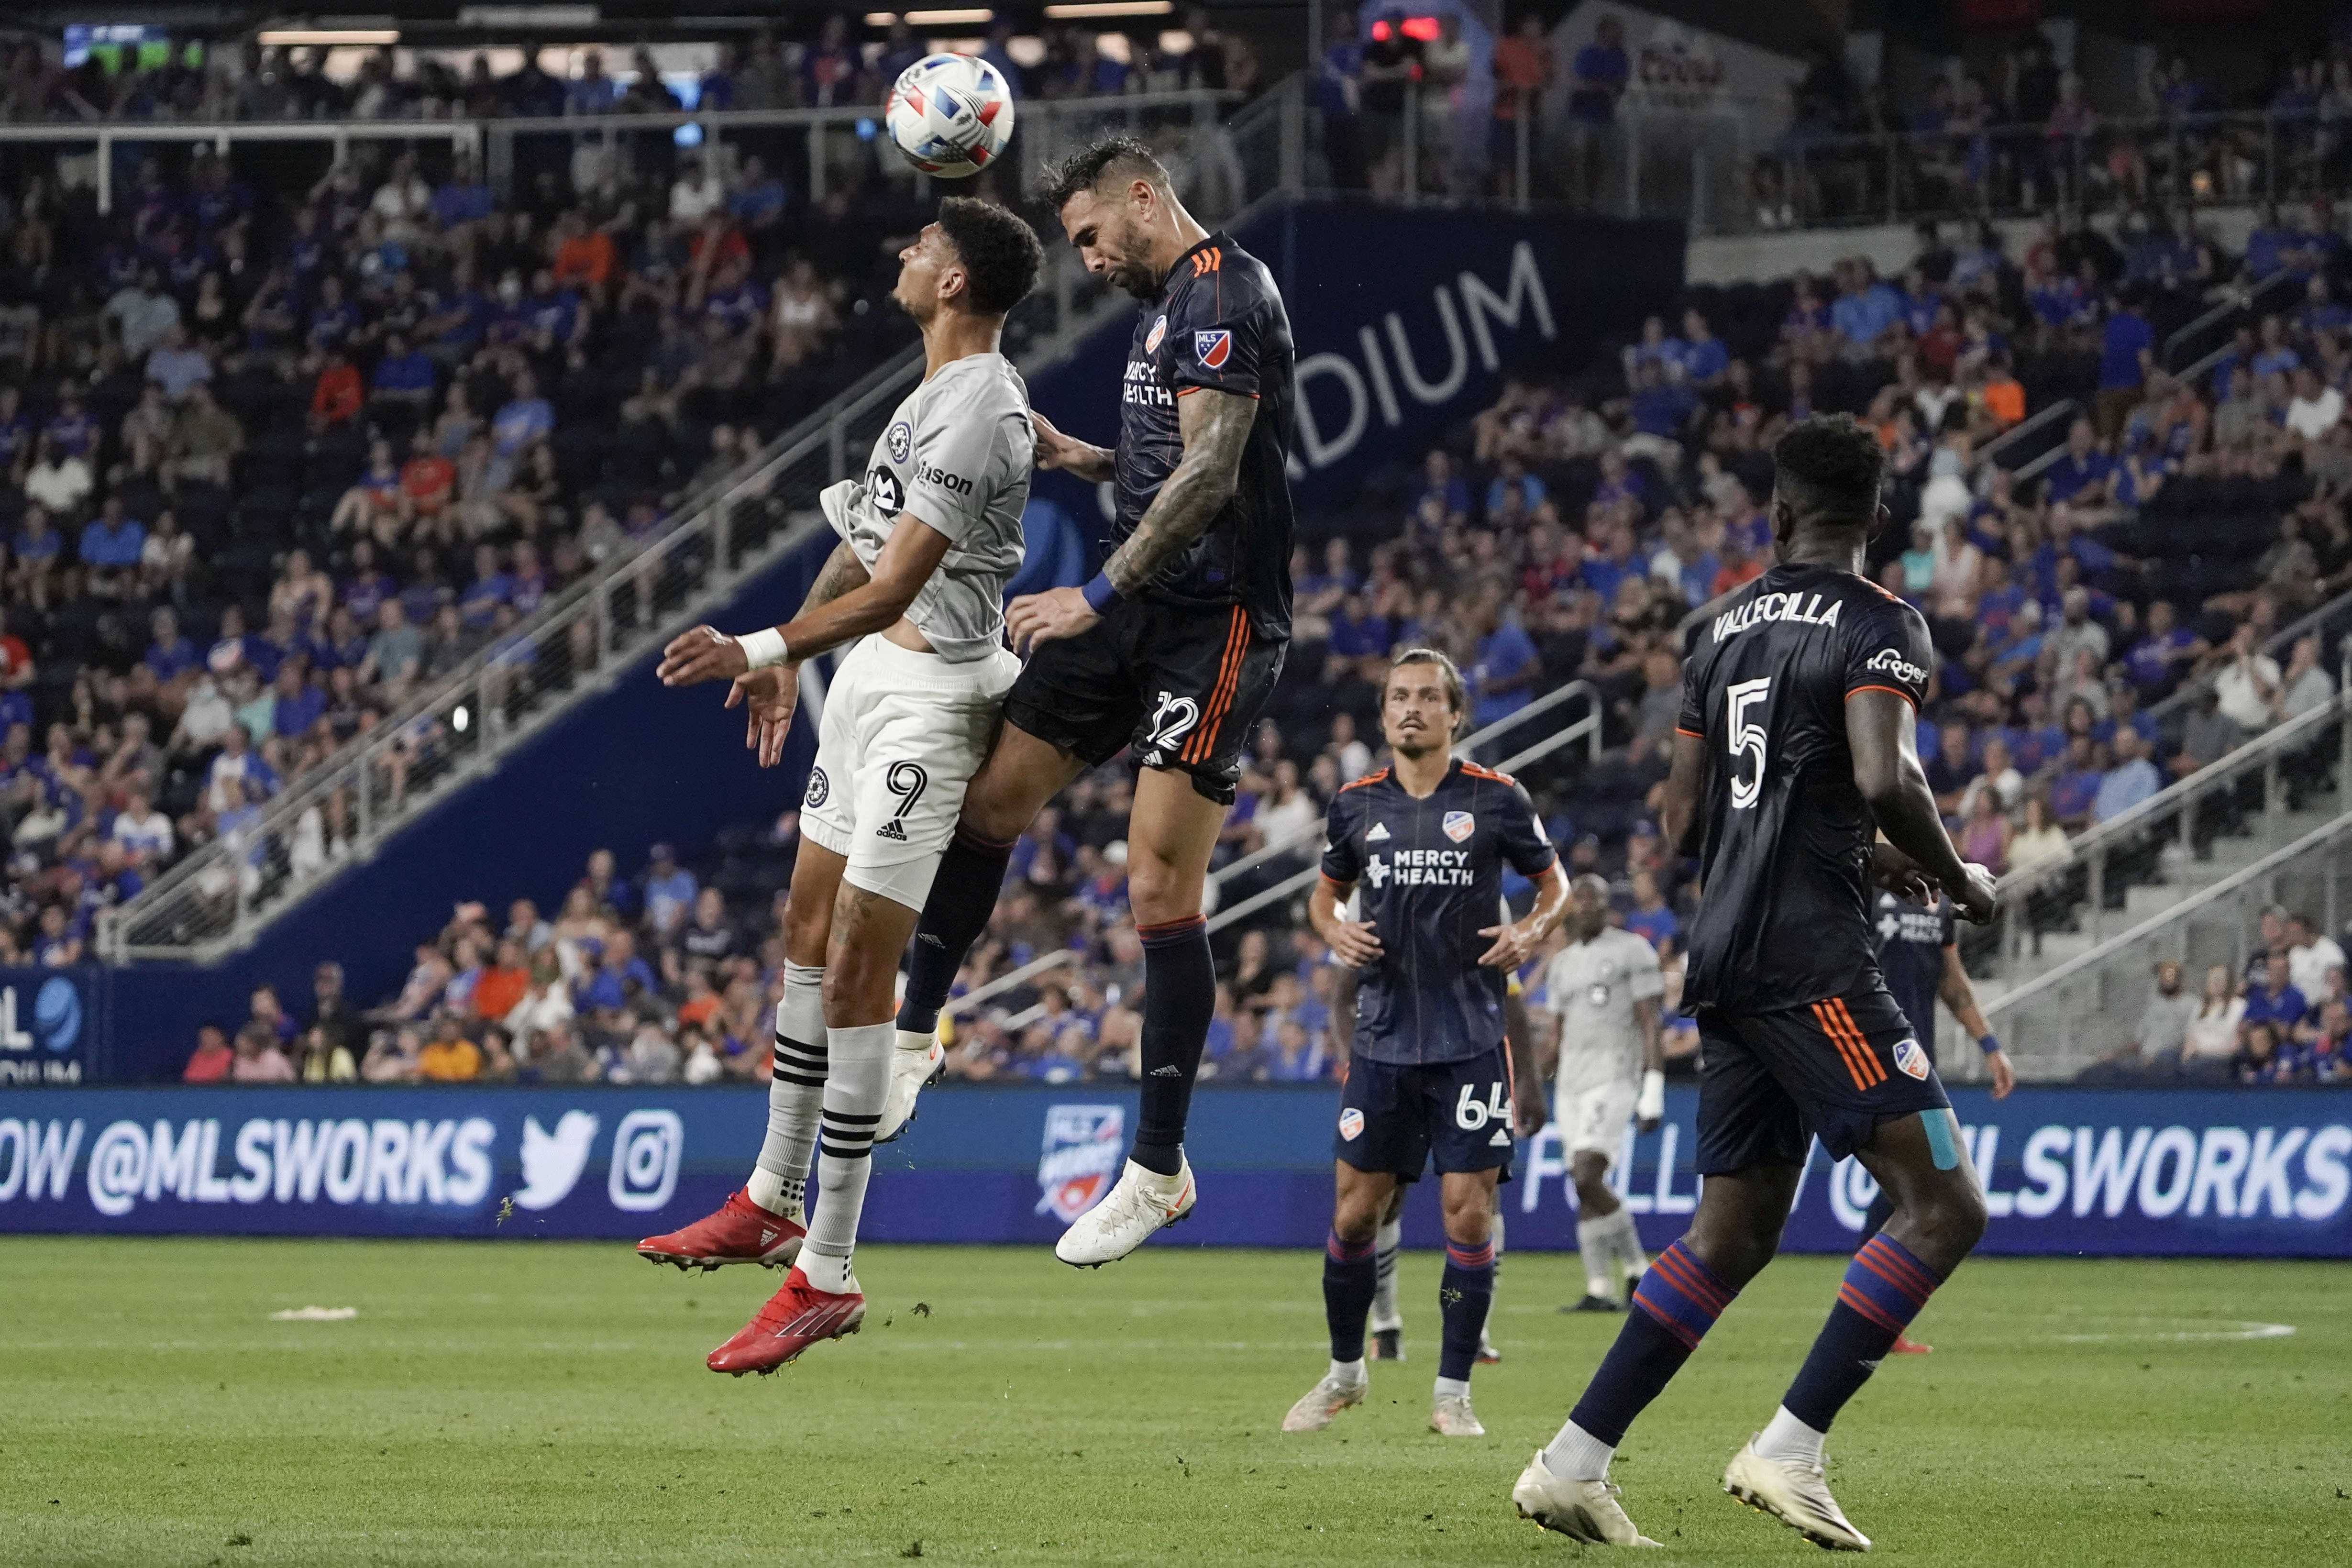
(2248, 686)
(2311, 954)
(2132, 780)
(258, 1057)
(211, 1060)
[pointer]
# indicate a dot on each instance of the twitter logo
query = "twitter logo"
(551, 1162)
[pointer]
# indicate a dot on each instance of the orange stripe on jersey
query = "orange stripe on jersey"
(1861, 1044)
(1694, 735)
(1188, 391)
(1221, 696)
(1896, 690)
(1372, 778)
(1474, 771)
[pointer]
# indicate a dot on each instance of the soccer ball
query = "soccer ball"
(950, 115)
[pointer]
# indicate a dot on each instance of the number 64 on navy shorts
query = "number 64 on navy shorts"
(1393, 1118)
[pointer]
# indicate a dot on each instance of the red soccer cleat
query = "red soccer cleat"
(1905, 1345)
(740, 1232)
(795, 1318)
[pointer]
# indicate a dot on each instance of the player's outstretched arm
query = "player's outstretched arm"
(1880, 730)
(908, 557)
(1058, 449)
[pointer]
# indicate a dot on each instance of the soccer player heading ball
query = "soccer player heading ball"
(1426, 839)
(1171, 651)
(1794, 745)
(929, 535)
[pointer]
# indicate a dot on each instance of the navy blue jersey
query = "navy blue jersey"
(1786, 916)
(1218, 323)
(1430, 875)
(1912, 937)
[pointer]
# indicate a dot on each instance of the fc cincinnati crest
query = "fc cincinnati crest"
(1911, 1059)
(1212, 348)
(818, 788)
(1460, 824)
(901, 441)
(1351, 1124)
(1085, 1146)
(1159, 331)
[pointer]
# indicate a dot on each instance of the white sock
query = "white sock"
(1576, 1455)
(1385, 1242)
(858, 1081)
(1452, 1388)
(1786, 1437)
(1625, 1241)
(1592, 1244)
(779, 1181)
(1349, 1372)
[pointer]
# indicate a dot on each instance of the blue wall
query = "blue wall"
(2099, 1172)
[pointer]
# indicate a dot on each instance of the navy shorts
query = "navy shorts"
(1832, 1070)
(1392, 1118)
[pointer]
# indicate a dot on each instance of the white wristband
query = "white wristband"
(1651, 1104)
(764, 647)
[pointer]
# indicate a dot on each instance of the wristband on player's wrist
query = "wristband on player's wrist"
(764, 647)
(1989, 1043)
(1100, 595)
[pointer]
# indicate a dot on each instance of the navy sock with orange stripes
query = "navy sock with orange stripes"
(1464, 1293)
(1674, 1305)
(1180, 995)
(1350, 1279)
(962, 897)
(1885, 1287)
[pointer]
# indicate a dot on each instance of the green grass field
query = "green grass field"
(547, 1403)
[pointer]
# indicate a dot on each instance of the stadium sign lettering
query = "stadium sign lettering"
(1482, 308)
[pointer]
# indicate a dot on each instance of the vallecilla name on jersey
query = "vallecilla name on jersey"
(1143, 387)
(1805, 607)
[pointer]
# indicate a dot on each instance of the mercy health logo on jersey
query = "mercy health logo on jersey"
(42, 1020)
(1084, 1147)
(1212, 348)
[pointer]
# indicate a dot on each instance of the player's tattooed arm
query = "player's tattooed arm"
(841, 573)
(1216, 426)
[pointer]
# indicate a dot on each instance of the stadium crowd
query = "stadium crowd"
(1568, 533)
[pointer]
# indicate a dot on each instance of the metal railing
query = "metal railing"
(2302, 752)
(816, 140)
(2060, 1022)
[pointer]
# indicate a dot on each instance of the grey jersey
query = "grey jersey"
(1590, 987)
(958, 454)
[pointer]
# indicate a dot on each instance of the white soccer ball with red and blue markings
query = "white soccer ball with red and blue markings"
(950, 115)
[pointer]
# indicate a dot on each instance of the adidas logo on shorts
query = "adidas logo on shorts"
(891, 830)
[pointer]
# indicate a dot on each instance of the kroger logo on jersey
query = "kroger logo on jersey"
(1085, 1146)
(1892, 662)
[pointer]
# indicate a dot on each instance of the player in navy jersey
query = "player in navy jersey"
(1794, 749)
(1171, 650)
(1425, 839)
(1920, 955)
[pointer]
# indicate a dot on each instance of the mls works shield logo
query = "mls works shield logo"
(1911, 1059)
(1212, 348)
(901, 441)
(1085, 1146)
(1460, 824)
(1159, 331)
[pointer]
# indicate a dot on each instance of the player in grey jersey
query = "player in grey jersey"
(930, 535)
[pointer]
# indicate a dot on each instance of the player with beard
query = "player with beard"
(1426, 840)
(929, 535)
(1171, 650)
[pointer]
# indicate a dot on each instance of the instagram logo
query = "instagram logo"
(646, 1149)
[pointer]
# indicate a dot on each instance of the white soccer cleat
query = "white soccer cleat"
(1319, 1404)
(1581, 1511)
(918, 1062)
(1796, 1494)
(1142, 1202)
(1450, 1416)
